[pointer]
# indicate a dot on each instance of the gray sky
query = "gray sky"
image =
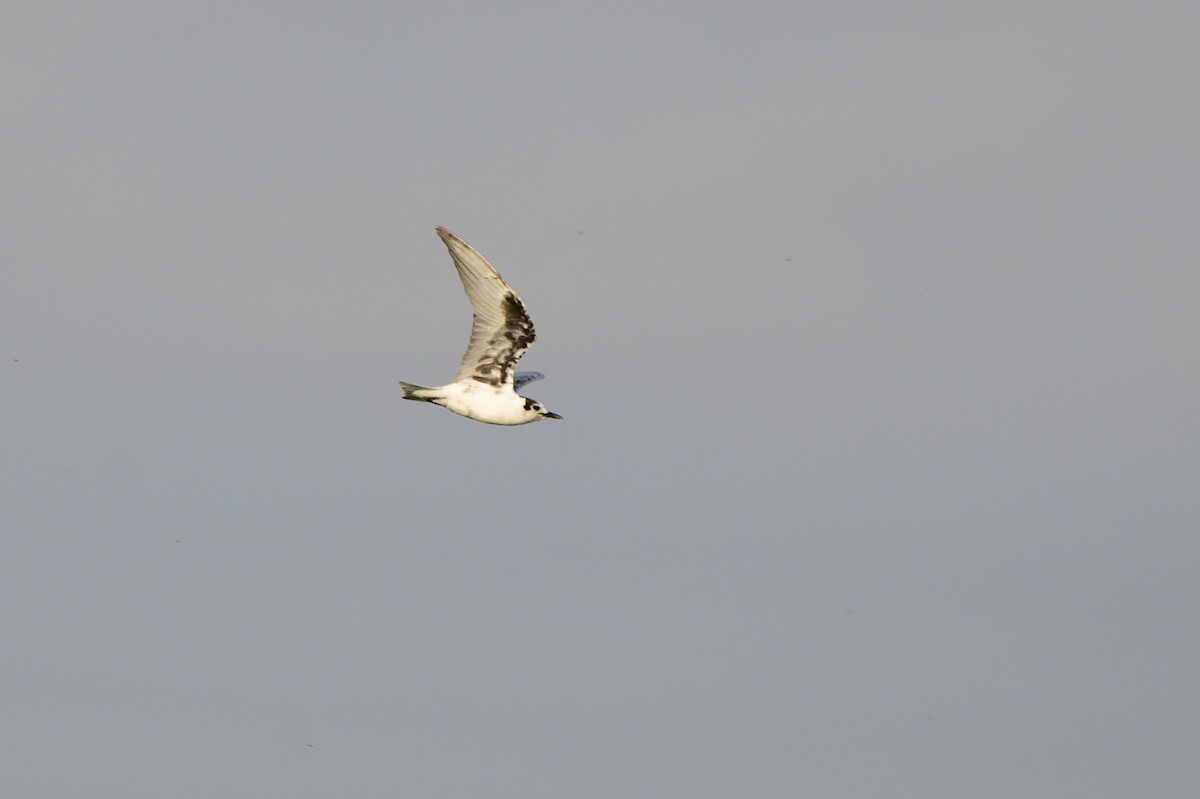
(875, 330)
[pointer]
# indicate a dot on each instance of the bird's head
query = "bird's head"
(538, 410)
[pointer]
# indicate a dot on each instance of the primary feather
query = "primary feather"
(501, 331)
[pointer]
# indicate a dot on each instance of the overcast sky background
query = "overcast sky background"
(875, 330)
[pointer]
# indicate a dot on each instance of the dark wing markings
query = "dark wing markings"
(507, 345)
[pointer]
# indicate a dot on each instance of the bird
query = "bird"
(485, 388)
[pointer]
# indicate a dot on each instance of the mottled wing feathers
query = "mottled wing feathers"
(502, 331)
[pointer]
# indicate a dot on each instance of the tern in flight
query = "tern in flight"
(485, 388)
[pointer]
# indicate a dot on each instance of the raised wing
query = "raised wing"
(501, 331)
(521, 378)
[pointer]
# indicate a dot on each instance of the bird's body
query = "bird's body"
(485, 387)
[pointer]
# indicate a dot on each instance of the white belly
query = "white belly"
(484, 403)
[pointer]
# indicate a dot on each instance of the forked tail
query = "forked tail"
(419, 393)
